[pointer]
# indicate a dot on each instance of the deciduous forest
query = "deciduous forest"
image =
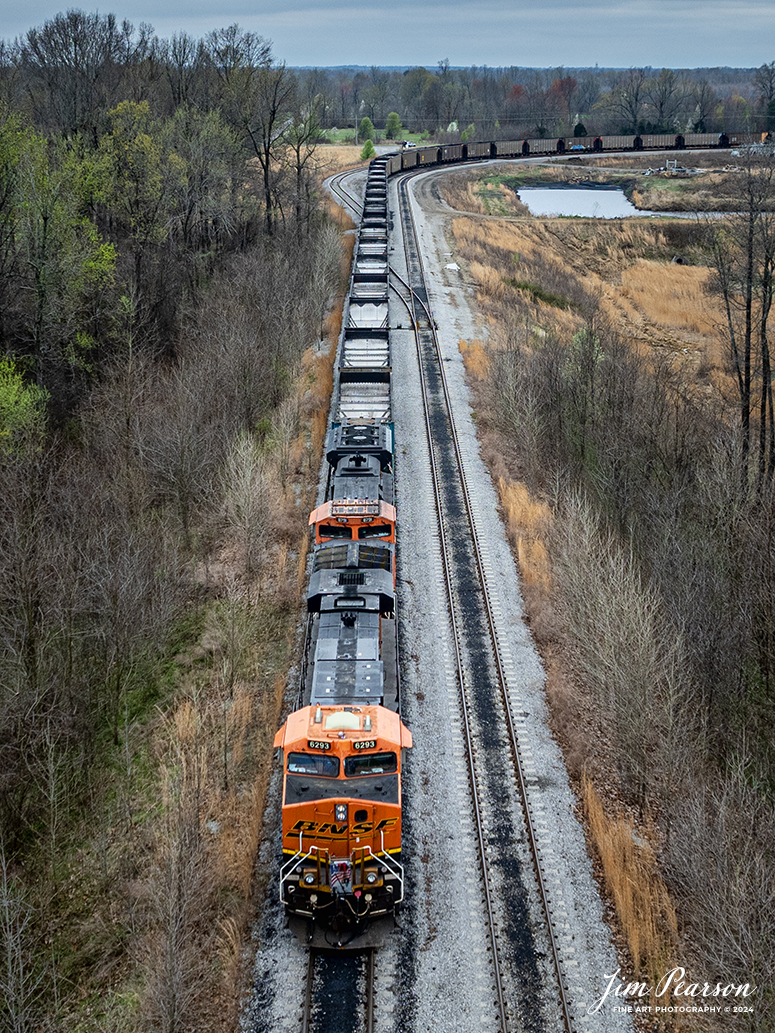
(167, 270)
(165, 265)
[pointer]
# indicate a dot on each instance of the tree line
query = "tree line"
(164, 265)
(123, 174)
(501, 103)
(75, 68)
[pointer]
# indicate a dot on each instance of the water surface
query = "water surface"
(590, 202)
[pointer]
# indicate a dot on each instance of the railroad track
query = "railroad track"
(339, 993)
(345, 198)
(489, 723)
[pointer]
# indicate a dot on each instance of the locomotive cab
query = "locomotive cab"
(342, 813)
(354, 519)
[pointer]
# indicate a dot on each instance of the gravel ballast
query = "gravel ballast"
(434, 971)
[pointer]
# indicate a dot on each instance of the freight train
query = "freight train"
(440, 154)
(342, 748)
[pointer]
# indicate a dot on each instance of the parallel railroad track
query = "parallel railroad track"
(482, 676)
(339, 993)
(345, 198)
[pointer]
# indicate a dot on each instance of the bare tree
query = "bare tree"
(257, 94)
(73, 60)
(624, 645)
(764, 81)
(744, 254)
(628, 96)
(177, 947)
(665, 95)
(248, 494)
(21, 979)
(705, 102)
(302, 135)
(183, 64)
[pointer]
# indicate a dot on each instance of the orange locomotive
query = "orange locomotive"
(342, 813)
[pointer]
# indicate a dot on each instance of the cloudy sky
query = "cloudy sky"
(619, 33)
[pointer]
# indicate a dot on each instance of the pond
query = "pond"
(590, 202)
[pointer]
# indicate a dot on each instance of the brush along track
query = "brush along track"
(500, 785)
(339, 993)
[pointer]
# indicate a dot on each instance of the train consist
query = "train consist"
(342, 748)
(341, 820)
(441, 154)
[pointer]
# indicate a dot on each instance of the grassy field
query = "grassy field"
(552, 272)
(489, 191)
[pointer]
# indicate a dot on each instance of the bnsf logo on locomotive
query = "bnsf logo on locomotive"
(329, 829)
(313, 744)
(365, 744)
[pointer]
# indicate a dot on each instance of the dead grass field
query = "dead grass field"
(624, 267)
(333, 158)
(643, 906)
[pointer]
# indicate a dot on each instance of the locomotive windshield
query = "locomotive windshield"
(370, 764)
(313, 764)
(335, 531)
(374, 531)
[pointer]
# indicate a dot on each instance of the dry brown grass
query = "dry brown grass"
(643, 906)
(475, 357)
(472, 192)
(301, 574)
(460, 194)
(653, 302)
(333, 158)
(527, 522)
(672, 295)
(330, 159)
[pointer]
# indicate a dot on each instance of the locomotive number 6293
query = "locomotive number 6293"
(365, 744)
(315, 744)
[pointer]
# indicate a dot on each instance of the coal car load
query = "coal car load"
(341, 823)
(447, 154)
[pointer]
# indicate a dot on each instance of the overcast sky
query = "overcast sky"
(618, 33)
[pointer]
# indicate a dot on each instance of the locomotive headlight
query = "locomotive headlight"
(309, 879)
(371, 877)
(340, 811)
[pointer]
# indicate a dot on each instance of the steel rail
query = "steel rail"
(370, 991)
(307, 1005)
(339, 192)
(502, 680)
(447, 567)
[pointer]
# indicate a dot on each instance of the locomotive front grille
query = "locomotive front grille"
(354, 578)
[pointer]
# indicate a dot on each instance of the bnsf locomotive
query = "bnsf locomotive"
(341, 822)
